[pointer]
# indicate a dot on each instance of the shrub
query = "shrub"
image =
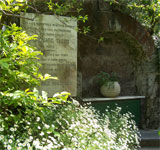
(18, 60)
(22, 122)
(64, 127)
(127, 134)
(82, 128)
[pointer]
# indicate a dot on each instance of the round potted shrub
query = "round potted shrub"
(110, 86)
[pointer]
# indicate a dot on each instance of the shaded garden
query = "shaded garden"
(31, 120)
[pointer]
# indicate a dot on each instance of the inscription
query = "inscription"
(55, 40)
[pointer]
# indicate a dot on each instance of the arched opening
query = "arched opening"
(117, 53)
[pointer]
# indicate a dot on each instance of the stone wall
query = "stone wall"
(128, 50)
(147, 83)
(113, 55)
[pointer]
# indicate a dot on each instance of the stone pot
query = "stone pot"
(110, 89)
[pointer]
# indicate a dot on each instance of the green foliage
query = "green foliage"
(159, 133)
(101, 39)
(104, 77)
(61, 7)
(146, 12)
(22, 122)
(8, 7)
(18, 60)
(71, 8)
(12, 5)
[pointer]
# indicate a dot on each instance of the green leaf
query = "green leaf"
(27, 90)
(5, 65)
(56, 134)
(2, 60)
(159, 132)
(101, 39)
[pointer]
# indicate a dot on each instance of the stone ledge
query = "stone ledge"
(150, 138)
(113, 99)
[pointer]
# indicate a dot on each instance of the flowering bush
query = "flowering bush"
(22, 122)
(67, 127)
(127, 134)
(82, 128)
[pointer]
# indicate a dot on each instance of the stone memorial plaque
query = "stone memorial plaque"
(57, 39)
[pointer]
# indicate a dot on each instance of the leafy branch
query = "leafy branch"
(15, 15)
(145, 12)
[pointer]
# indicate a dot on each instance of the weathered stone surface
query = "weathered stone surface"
(111, 56)
(125, 43)
(147, 82)
(57, 39)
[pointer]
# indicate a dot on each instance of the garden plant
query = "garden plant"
(29, 120)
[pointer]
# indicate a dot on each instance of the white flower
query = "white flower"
(49, 132)
(70, 134)
(31, 138)
(39, 127)
(41, 134)
(12, 129)
(1, 137)
(39, 147)
(1, 129)
(6, 118)
(9, 147)
(15, 125)
(38, 119)
(43, 139)
(19, 144)
(53, 139)
(10, 141)
(74, 139)
(76, 103)
(46, 126)
(50, 146)
(28, 145)
(36, 143)
(28, 123)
